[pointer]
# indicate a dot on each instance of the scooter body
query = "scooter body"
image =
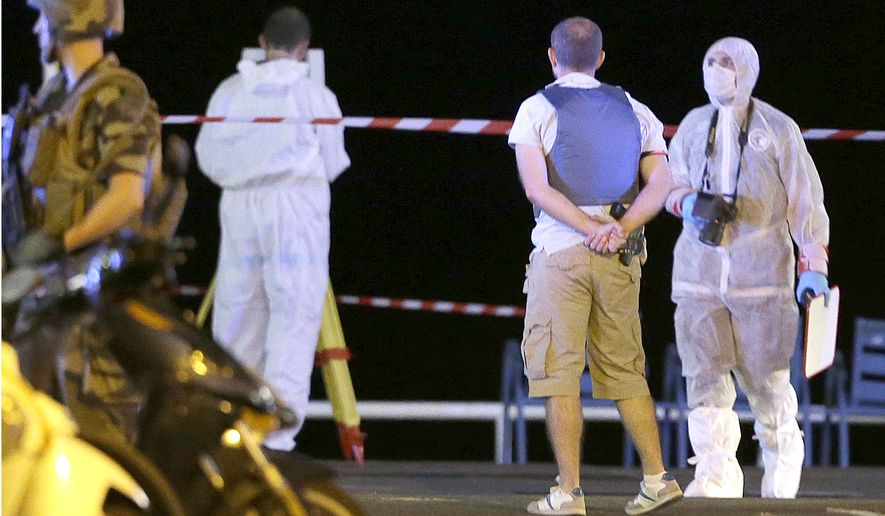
(47, 470)
(125, 357)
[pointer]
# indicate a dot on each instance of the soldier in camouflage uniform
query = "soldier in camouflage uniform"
(93, 142)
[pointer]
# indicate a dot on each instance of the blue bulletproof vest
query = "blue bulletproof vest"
(595, 157)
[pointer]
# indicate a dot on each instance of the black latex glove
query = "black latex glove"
(38, 246)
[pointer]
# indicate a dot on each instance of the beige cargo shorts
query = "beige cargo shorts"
(583, 308)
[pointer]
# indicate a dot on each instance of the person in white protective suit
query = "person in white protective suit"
(735, 311)
(274, 255)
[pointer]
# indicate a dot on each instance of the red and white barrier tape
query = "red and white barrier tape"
(439, 125)
(466, 125)
(460, 125)
(423, 305)
(418, 305)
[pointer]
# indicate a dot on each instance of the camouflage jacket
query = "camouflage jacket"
(80, 137)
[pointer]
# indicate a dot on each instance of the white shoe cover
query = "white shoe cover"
(715, 434)
(783, 452)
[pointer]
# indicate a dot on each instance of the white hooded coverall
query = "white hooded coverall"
(735, 306)
(274, 256)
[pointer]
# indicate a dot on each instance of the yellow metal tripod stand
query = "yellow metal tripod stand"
(331, 357)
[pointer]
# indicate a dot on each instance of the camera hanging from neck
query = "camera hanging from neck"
(742, 141)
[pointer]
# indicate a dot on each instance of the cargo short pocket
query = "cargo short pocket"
(570, 258)
(535, 345)
(634, 270)
(526, 286)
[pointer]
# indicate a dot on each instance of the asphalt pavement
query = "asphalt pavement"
(482, 488)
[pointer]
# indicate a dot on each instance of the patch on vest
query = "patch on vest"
(759, 139)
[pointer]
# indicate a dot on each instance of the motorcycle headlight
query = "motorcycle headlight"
(260, 423)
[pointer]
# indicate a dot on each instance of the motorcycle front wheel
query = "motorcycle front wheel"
(319, 497)
(163, 498)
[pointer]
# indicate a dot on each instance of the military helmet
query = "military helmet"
(70, 20)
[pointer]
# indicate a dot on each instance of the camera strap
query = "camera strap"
(743, 137)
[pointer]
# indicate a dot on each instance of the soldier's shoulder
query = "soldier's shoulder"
(122, 101)
(124, 80)
(119, 89)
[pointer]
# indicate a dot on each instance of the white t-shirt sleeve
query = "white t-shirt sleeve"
(528, 124)
(651, 128)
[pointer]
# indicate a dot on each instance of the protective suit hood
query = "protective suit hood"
(245, 155)
(746, 62)
(271, 75)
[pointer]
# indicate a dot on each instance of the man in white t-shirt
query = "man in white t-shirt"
(582, 147)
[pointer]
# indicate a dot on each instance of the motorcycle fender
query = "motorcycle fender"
(73, 478)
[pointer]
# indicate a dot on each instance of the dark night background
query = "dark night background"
(439, 216)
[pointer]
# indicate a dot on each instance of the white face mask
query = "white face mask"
(719, 81)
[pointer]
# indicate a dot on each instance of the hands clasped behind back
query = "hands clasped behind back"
(605, 237)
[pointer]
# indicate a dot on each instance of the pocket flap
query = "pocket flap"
(535, 345)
